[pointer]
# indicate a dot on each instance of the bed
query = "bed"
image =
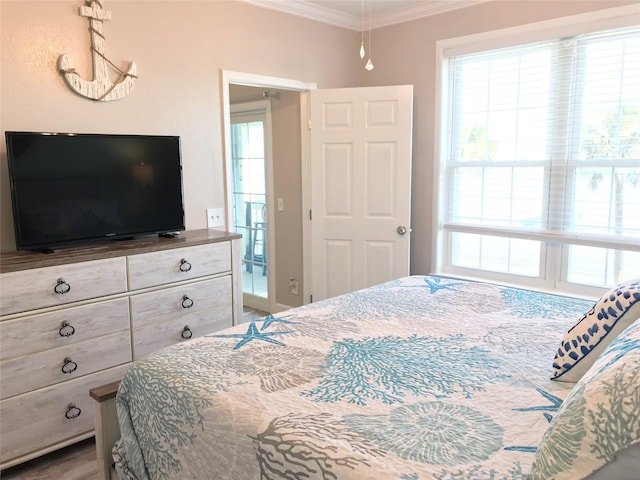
(419, 378)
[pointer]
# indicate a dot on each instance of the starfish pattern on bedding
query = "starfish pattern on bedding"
(253, 334)
(436, 285)
(555, 405)
(270, 319)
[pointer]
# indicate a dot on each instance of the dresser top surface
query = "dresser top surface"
(24, 260)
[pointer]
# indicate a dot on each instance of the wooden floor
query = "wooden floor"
(77, 462)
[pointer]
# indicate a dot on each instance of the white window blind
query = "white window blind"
(541, 165)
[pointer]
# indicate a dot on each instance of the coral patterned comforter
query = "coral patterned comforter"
(419, 378)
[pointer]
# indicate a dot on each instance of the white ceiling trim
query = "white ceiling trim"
(422, 10)
(354, 22)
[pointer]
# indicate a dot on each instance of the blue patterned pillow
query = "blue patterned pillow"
(585, 341)
(599, 420)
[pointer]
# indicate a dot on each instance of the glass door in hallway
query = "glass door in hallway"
(250, 160)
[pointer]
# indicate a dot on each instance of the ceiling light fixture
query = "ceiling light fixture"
(369, 66)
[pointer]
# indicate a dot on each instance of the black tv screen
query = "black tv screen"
(69, 189)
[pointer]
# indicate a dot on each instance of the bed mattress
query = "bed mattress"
(420, 378)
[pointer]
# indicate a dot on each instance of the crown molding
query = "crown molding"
(354, 22)
(307, 10)
(433, 7)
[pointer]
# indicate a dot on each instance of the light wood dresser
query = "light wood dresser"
(76, 319)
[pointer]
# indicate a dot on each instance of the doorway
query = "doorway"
(278, 249)
(381, 154)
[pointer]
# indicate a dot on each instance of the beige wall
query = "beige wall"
(180, 48)
(287, 184)
(405, 54)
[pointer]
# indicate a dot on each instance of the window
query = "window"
(540, 163)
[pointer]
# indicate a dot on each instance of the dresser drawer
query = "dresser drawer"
(38, 370)
(36, 288)
(181, 302)
(159, 320)
(150, 338)
(61, 328)
(37, 420)
(168, 266)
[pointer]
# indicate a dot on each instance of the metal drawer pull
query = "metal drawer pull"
(186, 302)
(69, 366)
(184, 265)
(61, 287)
(66, 330)
(72, 412)
(187, 333)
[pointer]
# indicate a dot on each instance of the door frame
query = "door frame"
(252, 80)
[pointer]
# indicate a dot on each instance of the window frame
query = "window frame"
(551, 276)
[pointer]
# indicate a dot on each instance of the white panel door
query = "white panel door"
(360, 187)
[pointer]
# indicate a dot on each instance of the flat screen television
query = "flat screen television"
(70, 189)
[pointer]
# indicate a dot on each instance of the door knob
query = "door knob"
(401, 230)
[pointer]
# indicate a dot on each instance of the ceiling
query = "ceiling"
(349, 13)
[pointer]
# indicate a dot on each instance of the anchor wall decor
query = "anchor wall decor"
(101, 88)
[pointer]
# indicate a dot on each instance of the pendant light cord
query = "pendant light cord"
(362, 20)
(369, 28)
(369, 66)
(362, 29)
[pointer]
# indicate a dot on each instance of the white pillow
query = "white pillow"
(585, 341)
(598, 425)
